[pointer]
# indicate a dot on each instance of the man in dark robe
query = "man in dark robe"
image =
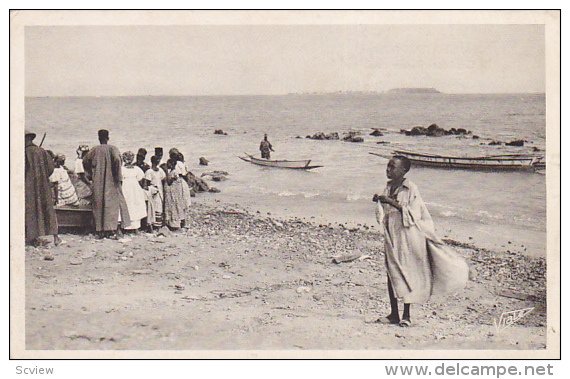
(102, 165)
(40, 212)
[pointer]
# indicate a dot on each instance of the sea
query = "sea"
(497, 210)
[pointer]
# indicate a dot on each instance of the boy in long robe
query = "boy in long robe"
(40, 217)
(418, 263)
(102, 166)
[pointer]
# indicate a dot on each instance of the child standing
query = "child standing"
(156, 176)
(175, 204)
(418, 263)
(133, 191)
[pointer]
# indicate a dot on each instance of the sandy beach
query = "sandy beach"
(242, 279)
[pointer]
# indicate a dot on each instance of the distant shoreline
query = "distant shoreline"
(294, 94)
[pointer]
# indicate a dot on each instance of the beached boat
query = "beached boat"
(296, 165)
(506, 162)
(74, 217)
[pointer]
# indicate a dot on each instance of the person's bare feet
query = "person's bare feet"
(56, 240)
(390, 319)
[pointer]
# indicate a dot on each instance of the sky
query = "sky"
(274, 59)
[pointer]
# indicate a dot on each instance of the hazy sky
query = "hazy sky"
(215, 60)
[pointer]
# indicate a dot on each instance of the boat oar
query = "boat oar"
(43, 138)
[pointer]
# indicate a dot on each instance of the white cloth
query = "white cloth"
(156, 179)
(66, 194)
(181, 168)
(379, 211)
(134, 195)
(79, 166)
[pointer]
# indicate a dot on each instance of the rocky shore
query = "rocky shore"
(236, 279)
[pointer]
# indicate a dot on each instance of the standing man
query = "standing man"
(40, 218)
(102, 165)
(265, 148)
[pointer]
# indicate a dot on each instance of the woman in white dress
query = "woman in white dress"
(133, 191)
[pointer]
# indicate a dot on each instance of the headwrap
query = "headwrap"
(83, 148)
(173, 152)
(128, 157)
(59, 157)
(142, 152)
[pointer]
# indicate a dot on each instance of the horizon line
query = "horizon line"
(297, 94)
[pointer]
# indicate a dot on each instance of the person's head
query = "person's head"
(398, 166)
(159, 152)
(265, 137)
(173, 153)
(171, 164)
(154, 160)
(59, 160)
(141, 154)
(128, 157)
(103, 135)
(29, 136)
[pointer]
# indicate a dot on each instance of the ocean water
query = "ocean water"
(490, 209)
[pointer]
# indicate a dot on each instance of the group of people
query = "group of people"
(124, 191)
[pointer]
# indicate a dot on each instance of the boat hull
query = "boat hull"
(294, 165)
(489, 163)
(74, 217)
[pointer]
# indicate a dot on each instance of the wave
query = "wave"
(353, 197)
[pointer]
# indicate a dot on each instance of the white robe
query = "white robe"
(418, 263)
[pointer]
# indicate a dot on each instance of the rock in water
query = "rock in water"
(518, 142)
(203, 161)
(434, 131)
(216, 176)
(220, 132)
(352, 137)
(323, 136)
(377, 133)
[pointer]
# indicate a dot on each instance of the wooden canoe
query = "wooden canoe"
(296, 165)
(74, 217)
(507, 162)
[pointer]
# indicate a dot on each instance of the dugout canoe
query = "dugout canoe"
(505, 162)
(295, 165)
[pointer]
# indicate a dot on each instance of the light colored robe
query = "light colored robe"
(418, 263)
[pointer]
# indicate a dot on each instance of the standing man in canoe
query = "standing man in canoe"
(265, 148)
(102, 165)
(40, 218)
